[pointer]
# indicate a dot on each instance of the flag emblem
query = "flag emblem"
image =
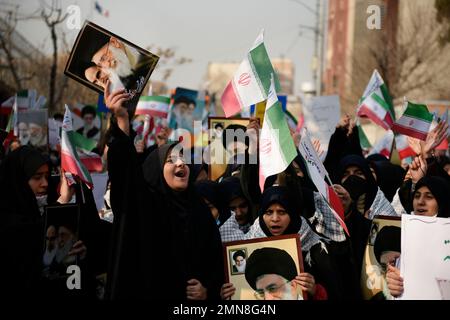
(244, 79)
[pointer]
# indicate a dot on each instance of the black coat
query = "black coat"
(161, 239)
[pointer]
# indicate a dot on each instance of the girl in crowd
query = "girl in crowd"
(166, 242)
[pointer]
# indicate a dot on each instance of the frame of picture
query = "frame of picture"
(217, 167)
(90, 40)
(288, 243)
(372, 281)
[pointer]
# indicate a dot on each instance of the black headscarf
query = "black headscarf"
(389, 177)
(21, 229)
(440, 189)
(15, 171)
(210, 190)
(355, 186)
(280, 195)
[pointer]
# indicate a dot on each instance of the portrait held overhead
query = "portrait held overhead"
(100, 58)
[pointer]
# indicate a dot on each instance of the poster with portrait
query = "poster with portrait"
(264, 266)
(33, 128)
(61, 232)
(382, 244)
(221, 135)
(99, 56)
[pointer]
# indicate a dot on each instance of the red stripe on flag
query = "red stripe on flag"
(230, 101)
(409, 132)
(385, 123)
(69, 164)
(153, 113)
(335, 202)
(92, 164)
(405, 153)
(443, 145)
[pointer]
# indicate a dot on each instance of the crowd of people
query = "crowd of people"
(165, 240)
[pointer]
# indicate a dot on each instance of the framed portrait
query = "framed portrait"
(33, 128)
(61, 232)
(218, 141)
(382, 244)
(99, 55)
(264, 266)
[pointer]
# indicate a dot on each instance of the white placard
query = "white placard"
(425, 263)
(322, 114)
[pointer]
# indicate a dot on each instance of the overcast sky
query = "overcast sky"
(203, 30)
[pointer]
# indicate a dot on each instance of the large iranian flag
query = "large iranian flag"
(276, 147)
(251, 82)
(70, 161)
(376, 103)
(91, 160)
(155, 106)
(415, 121)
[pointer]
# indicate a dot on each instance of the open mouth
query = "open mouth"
(180, 174)
(275, 229)
(422, 211)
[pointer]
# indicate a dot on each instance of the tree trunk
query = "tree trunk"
(51, 97)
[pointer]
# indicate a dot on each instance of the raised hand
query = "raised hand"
(307, 282)
(418, 169)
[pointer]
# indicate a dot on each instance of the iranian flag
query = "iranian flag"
(363, 140)
(91, 160)
(276, 147)
(317, 173)
(251, 82)
(26, 99)
(70, 161)
(376, 103)
(415, 121)
(155, 106)
(384, 145)
(402, 146)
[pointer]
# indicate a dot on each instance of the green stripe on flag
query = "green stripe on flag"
(387, 97)
(82, 142)
(381, 102)
(71, 137)
(277, 120)
(363, 141)
(418, 111)
(155, 98)
(262, 68)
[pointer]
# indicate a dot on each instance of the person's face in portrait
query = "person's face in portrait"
(175, 171)
(275, 287)
(276, 219)
(97, 76)
(39, 181)
(24, 133)
(239, 206)
(113, 58)
(239, 260)
(424, 203)
(88, 120)
(36, 134)
(51, 238)
(65, 237)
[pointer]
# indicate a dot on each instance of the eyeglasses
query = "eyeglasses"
(273, 290)
(243, 205)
